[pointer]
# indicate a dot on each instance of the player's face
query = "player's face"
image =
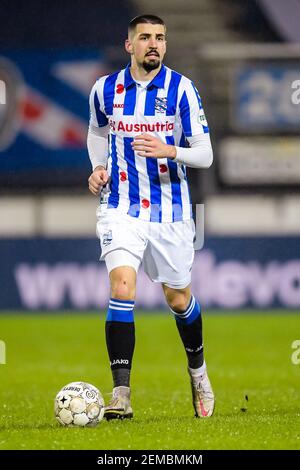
(147, 45)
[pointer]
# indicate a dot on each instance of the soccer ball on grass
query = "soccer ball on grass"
(79, 404)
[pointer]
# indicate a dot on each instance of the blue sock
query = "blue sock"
(120, 310)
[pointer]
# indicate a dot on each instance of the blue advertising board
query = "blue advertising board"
(232, 273)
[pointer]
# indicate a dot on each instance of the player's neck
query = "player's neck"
(140, 74)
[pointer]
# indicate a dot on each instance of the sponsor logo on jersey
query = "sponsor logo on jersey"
(120, 126)
(118, 105)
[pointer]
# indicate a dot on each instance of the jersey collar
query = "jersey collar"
(158, 81)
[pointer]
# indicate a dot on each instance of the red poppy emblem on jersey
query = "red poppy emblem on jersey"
(163, 168)
(120, 88)
(145, 203)
(123, 176)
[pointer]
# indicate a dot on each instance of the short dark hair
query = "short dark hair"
(152, 19)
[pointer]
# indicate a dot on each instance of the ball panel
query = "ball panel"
(66, 416)
(77, 405)
(81, 419)
(60, 421)
(93, 410)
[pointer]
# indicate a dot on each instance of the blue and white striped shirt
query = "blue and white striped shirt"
(169, 108)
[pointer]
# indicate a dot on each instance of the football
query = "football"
(79, 404)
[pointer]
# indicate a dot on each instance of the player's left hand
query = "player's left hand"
(148, 146)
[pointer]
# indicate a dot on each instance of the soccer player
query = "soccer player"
(146, 125)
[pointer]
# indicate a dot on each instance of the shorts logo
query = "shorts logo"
(107, 238)
(161, 105)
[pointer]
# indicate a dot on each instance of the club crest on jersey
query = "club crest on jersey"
(161, 105)
(107, 238)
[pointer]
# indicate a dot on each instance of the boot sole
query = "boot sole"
(110, 415)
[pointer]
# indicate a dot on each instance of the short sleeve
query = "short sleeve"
(192, 115)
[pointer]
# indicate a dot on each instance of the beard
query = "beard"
(151, 64)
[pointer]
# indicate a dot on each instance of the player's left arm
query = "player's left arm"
(194, 124)
(198, 155)
(195, 128)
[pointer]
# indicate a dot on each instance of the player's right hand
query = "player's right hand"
(98, 178)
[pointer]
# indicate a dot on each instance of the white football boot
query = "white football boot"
(203, 395)
(119, 406)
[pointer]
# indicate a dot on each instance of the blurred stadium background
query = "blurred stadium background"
(244, 57)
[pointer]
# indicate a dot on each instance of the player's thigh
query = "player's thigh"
(169, 254)
(117, 231)
(122, 249)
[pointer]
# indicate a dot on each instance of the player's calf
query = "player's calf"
(189, 325)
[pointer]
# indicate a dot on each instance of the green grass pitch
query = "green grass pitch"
(248, 354)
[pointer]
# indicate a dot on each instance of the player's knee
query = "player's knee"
(122, 282)
(179, 302)
(122, 289)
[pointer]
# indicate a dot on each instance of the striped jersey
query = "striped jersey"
(168, 108)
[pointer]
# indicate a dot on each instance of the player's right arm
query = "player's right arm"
(97, 139)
